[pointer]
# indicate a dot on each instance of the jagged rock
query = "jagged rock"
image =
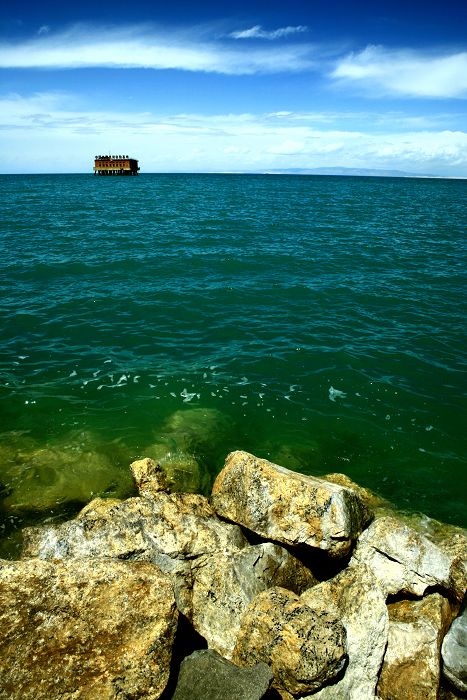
(73, 469)
(84, 629)
(355, 598)
(149, 477)
(454, 653)
(304, 648)
(225, 583)
(170, 530)
(411, 668)
(403, 560)
(288, 507)
(452, 540)
(205, 675)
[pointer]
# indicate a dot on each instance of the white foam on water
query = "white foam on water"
(336, 394)
(173, 394)
(105, 361)
(98, 371)
(187, 396)
(73, 374)
(429, 427)
(136, 378)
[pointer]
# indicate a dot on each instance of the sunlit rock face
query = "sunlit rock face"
(305, 648)
(288, 507)
(411, 667)
(86, 629)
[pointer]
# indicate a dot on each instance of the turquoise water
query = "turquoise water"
(316, 321)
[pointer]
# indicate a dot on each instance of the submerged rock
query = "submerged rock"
(288, 507)
(183, 442)
(225, 583)
(355, 598)
(84, 629)
(411, 668)
(304, 648)
(182, 471)
(205, 675)
(454, 653)
(70, 470)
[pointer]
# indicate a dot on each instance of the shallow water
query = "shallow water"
(323, 318)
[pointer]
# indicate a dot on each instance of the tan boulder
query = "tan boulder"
(304, 648)
(149, 477)
(170, 530)
(225, 583)
(355, 598)
(411, 668)
(84, 629)
(288, 507)
(403, 560)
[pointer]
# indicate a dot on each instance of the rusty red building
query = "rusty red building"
(115, 165)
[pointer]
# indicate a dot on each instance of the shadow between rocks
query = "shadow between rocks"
(187, 640)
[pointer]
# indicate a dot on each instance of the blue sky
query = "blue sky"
(244, 86)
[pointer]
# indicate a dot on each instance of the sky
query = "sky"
(253, 86)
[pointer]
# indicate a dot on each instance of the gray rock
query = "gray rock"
(454, 653)
(288, 507)
(84, 629)
(205, 675)
(354, 597)
(403, 560)
(305, 648)
(224, 583)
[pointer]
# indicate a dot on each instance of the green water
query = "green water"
(316, 321)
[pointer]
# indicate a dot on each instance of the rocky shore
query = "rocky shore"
(279, 585)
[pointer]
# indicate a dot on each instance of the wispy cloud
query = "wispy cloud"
(44, 29)
(144, 47)
(58, 134)
(405, 72)
(257, 32)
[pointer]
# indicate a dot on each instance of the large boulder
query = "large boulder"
(402, 560)
(170, 530)
(355, 598)
(304, 648)
(454, 653)
(225, 583)
(411, 668)
(84, 629)
(205, 675)
(288, 507)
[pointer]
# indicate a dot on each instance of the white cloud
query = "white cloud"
(53, 133)
(405, 72)
(257, 32)
(141, 47)
(45, 29)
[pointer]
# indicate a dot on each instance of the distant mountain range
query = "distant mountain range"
(368, 172)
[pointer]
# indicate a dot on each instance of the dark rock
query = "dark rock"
(205, 675)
